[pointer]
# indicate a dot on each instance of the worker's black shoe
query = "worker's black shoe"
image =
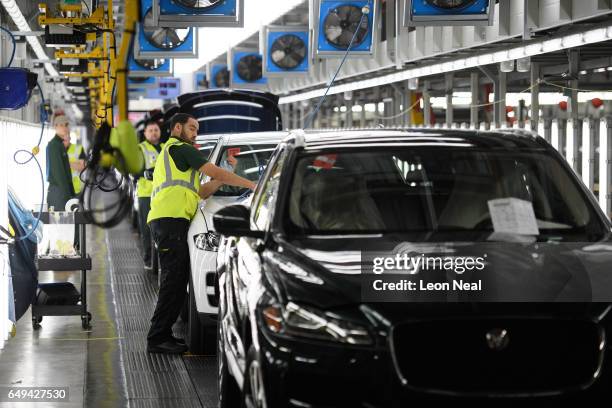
(167, 347)
(178, 340)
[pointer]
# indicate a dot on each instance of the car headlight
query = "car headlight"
(208, 241)
(300, 321)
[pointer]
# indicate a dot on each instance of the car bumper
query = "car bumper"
(315, 374)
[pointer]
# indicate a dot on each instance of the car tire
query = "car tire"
(200, 338)
(253, 390)
(229, 393)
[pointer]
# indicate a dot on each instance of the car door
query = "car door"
(243, 268)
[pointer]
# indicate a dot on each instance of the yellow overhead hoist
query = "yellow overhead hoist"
(87, 49)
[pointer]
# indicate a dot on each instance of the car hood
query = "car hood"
(327, 273)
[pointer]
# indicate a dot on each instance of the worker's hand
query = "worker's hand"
(232, 161)
(253, 186)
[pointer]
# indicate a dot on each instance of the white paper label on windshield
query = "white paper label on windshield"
(513, 216)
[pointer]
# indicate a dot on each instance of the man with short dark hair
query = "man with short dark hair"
(150, 148)
(174, 201)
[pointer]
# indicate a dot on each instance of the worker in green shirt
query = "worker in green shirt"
(59, 175)
(174, 201)
(150, 149)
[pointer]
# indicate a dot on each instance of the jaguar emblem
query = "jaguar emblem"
(497, 339)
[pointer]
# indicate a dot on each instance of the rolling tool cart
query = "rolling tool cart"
(62, 298)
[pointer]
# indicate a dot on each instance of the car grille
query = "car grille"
(536, 356)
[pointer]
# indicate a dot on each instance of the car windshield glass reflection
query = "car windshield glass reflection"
(248, 161)
(441, 190)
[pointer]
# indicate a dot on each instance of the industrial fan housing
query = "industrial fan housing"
(199, 13)
(247, 69)
(286, 51)
(149, 67)
(219, 75)
(154, 41)
(449, 12)
(335, 23)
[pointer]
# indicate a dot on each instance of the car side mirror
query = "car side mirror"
(233, 220)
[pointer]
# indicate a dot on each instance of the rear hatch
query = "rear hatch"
(221, 111)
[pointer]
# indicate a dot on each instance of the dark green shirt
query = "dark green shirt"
(187, 157)
(59, 175)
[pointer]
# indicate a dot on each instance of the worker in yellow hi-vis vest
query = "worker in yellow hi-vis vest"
(174, 201)
(150, 149)
(76, 159)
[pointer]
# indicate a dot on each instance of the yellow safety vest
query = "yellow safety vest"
(175, 192)
(74, 152)
(144, 186)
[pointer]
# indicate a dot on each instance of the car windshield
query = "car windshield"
(428, 190)
(207, 147)
(250, 162)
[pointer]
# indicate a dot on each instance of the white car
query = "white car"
(252, 151)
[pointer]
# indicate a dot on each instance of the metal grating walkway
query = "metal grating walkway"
(151, 380)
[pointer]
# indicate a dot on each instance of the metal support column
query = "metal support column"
(535, 95)
(605, 165)
(475, 90)
(349, 113)
(575, 137)
(561, 142)
(547, 130)
(426, 104)
(448, 79)
(500, 100)
(407, 116)
(362, 114)
(377, 114)
(589, 137)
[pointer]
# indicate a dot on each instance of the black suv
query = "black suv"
(300, 327)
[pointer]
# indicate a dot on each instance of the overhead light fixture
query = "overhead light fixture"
(506, 66)
(523, 64)
(542, 47)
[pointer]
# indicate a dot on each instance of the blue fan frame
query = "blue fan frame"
(226, 8)
(271, 67)
(144, 46)
(166, 67)
(196, 80)
(213, 73)
(325, 6)
(236, 80)
(420, 8)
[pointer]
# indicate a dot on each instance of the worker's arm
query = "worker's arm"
(78, 165)
(226, 177)
(208, 189)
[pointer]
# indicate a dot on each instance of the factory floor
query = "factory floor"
(108, 365)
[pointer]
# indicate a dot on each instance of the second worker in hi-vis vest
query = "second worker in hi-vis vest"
(150, 148)
(174, 201)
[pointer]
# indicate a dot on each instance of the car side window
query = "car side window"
(264, 205)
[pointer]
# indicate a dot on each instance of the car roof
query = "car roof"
(506, 138)
(254, 138)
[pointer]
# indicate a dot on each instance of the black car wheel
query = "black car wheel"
(229, 394)
(196, 332)
(254, 390)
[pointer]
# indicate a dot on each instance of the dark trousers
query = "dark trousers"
(144, 206)
(170, 235)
